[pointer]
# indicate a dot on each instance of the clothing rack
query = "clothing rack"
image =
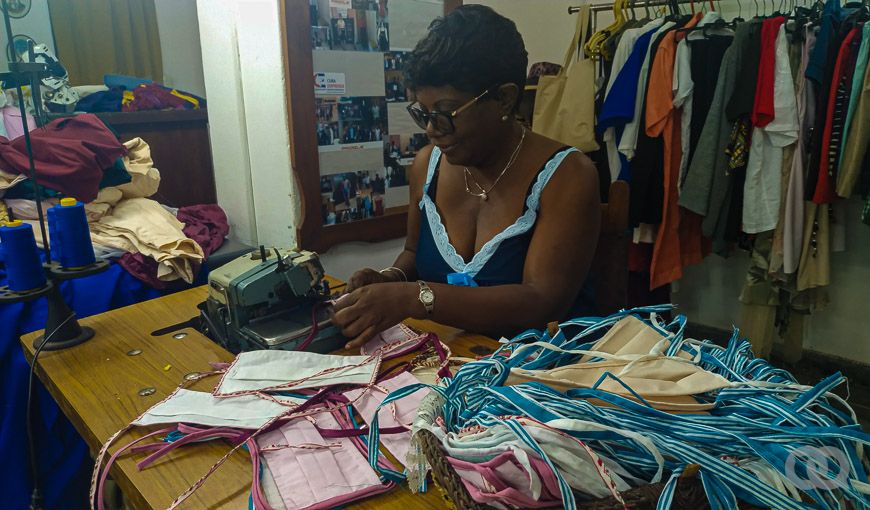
(607, 6)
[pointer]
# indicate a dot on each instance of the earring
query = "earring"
(504, 118)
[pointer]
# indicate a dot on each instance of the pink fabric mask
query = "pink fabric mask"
(398, 414)
(311, 473)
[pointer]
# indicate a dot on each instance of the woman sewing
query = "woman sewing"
(503, 222)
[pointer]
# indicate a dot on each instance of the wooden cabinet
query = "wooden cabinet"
(179, 147)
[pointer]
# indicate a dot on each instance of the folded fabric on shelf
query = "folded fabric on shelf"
(152, 96)
(101, 101)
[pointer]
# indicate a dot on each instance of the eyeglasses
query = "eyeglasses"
(442, 122)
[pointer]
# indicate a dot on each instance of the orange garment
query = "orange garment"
(678, 242)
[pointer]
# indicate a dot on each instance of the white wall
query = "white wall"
(545, 25)
(343, 260)
(261, 55)
(244, 80)
(180, 45)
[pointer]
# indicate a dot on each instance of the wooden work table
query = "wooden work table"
(97, 386)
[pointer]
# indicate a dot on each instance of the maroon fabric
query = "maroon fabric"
(144, 269)
(154, 97)
(70, 155)
(205, 224)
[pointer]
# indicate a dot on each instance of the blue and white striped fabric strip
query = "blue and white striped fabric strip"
(667, 496)
(764, 419)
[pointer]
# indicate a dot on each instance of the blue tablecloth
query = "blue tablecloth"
(64, 463)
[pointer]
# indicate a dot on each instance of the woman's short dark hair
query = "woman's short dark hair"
(472, 49)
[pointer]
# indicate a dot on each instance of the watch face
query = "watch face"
(427, 297)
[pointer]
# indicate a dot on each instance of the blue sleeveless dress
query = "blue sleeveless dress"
(501, 260)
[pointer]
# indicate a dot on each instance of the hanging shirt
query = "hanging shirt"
(762, 190)
(793, 227)
(763, 108)
(708, 181)
(684, 88)
(618, 106)
(678, 243)
(844, 188)
(647, 171)
(831, 35)
(831, 14)
(628, 143)
(742, 98)
(855, 151)
(838, 99)
(707, 55)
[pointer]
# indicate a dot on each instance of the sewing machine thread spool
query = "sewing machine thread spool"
(21, 256)
(70, 236)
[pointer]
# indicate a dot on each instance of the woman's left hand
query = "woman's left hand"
(369, 310)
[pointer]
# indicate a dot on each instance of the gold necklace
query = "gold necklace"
(484, 193)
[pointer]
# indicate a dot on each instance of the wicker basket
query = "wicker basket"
(689, 494)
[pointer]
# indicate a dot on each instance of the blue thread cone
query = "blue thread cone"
(19, 253)
(70, 236)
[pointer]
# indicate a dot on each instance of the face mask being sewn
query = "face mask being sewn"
(271, 371)
(392, 339)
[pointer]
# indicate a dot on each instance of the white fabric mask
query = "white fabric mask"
(265, 371)
(201, 408)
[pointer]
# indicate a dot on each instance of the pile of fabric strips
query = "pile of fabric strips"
(599, 406)
(588, 411)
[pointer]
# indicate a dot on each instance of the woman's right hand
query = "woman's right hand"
(365, 277)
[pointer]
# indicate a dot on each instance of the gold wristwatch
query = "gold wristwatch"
(427, 297)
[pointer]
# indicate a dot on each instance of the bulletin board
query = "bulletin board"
(352, 140)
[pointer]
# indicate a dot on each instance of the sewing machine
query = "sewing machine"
(270, 300)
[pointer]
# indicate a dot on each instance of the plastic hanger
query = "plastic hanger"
(594, 46)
